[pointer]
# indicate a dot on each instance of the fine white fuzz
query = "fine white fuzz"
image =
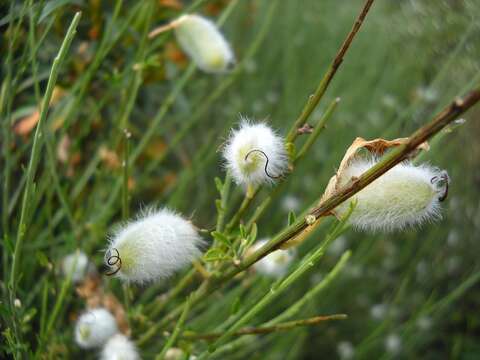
(119, 347)
(405, 196)
(276, 263)
(94, 328)
(204, 43)
(254, 154)
(77, 266)
(153, 247)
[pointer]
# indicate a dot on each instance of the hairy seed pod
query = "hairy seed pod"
(153, 246)
(204, 43)
(276, 263)
(77, 265)
(255, 154)
(94, 328)
(119, 347)
(405, 196)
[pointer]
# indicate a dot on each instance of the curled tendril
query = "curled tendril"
(113, 260)
(266, 163)
(445, 179)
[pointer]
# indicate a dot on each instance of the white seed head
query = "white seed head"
(94, 328)
(276, 263)
(77, 265)
(405, 196)
(153, 247)
(119, 347)
(204, 43)
(254, 154)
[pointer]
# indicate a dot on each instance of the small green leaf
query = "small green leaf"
(291, 218)
(253, 234)
(243, 231)
(222, 238)
(215, 254)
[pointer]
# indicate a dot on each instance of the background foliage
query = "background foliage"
(407, 295)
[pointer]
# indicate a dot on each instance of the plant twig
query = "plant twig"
(289, 325)
(397, 155)
(449, 114)
(32, 166)
(176, 332)
(314, 99)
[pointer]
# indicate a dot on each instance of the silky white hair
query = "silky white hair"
(255, 154)
(204, 43)
(119, 347)
(405, 196)
(275, 264)
(94, 327)
(77, 266)
(153, 247)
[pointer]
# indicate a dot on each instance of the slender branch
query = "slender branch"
(224, 194)
(318, 129)
(396, 156)
(327, 78)
(449, 114)
(32, 166)
(125, 165)
(176, 332)
(289, 325)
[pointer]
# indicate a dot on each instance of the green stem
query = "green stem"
(314, 99)
(176, 332)
(317, 130)
(290, 325)
(32, 166)
(278, 288)
(125, 197)
(223, 202)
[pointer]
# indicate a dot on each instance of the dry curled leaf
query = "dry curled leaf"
(110, 158)
(25, 125)
(375, 147)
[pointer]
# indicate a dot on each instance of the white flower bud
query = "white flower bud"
(78, 265)
(94, 328)
(254, 154)
(276, 263)
(404, 196)
(204, 43)
(153, 246)
(119, 347)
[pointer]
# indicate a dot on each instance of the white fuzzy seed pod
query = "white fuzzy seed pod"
(94, 328)
(119, 347)
(77, 265)
(254, 154)
(276, 263)
(204, 43)
(153, 247)
(405, 196)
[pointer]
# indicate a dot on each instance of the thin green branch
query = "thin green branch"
(317, 130)
(396, 156)
(314, 99)
(32, 166)
(286, 326)
(176, 332)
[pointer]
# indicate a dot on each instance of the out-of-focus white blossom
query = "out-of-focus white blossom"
(94, 328)
(119, 347)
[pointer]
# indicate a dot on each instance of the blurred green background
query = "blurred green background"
(413, 294)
